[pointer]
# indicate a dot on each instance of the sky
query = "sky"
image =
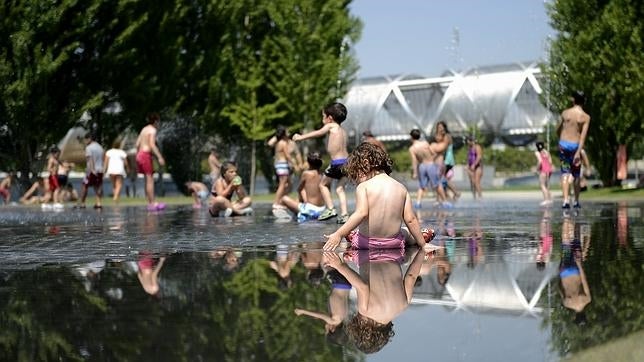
(418, 36)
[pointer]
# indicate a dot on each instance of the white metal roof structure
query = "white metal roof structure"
(503, 100)
(510, 286)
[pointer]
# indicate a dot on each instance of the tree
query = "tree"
(598, 50)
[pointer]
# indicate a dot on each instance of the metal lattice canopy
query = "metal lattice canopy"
(503, 100)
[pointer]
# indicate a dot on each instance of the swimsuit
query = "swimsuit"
(546, 167)
(309, 211)
(363, 242)
(377, 255)
(203, 195)
(429, 173)
(282, 168)
(53, 183)
(449, 158)
(471, 158)
(93, 179)
(338, 281)
(567, 152)
(4, 193)
(144, 162)
(335, 170)
(62, 180)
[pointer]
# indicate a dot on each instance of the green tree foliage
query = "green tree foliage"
(599, 50)
(263, 62)
(203, 312)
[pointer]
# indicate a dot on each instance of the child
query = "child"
(332, 117)
(382, 204)
(311, 202)
(54, 186)
(199, 192)
(94, 155)
(283, 164)
(5, 187)
(117, 168)
(544, 167)
(383, 292)
(227, 185)
(38, 192)
(338, 305)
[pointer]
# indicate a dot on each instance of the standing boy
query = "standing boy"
(146, 145)
(572, 130)
(94, 170)
(332, 117)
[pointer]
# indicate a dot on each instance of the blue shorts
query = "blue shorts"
(309, 211)
(567, 152)
(336, 169)
(429, 174)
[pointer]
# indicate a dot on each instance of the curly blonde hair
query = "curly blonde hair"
(368, 335)
(365, 159)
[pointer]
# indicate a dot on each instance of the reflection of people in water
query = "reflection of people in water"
(574, 287)
(284, 261)
(229, 256)
(382, 293)
(475, 244)
(545, 241)
(311, 258)
(338, 307)
(148, 273)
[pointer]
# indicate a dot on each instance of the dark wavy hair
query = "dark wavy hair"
(365, 159)
(368, 335)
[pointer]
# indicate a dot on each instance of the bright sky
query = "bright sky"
(417, 36)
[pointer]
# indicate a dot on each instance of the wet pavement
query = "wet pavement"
(513, 282)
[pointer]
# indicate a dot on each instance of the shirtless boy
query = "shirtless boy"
(52, 167)
(332, 117)
(572, 130)
(425, 168)
(382, 204)
(146, 146)
(311, 202)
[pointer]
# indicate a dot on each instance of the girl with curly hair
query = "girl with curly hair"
(382, 204)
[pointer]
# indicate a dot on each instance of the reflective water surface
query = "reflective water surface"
(513, 282)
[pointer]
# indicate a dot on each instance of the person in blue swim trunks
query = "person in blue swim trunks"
(572, 130)
(575, 293)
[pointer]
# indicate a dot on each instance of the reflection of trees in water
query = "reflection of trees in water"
(614, 275)
(202, 311)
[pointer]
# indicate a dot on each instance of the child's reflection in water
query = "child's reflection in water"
(574, 287)
(148, 272)
(338, 307)
(383, 292)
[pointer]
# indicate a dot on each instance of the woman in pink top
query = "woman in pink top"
(544, 167)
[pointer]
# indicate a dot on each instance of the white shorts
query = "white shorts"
(310, 211)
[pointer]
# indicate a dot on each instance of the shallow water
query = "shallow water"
(73, 285)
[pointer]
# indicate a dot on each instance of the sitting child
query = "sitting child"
(311, 203)
(227, 185)
(382, 204)
(199, 193)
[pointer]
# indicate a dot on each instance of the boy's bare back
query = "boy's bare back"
(421, 151)
(310, 182)
(385, 198)
(572, 122)
(337, 141)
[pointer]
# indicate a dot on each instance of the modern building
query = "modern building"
(502, 101)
